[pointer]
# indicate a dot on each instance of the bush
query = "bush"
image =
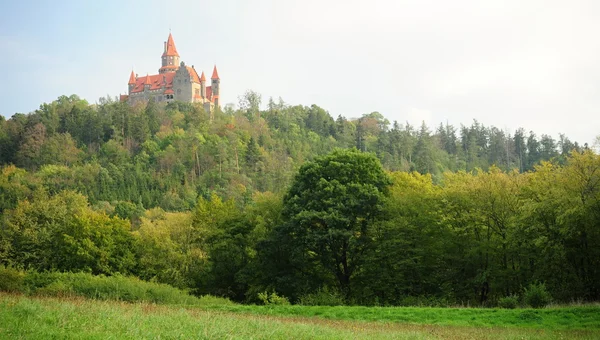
(537, 296)
(57, 289)
(11, 280)
(509, 302)
(323, 297)
(273, 299)
(121, 288)
(425, 301)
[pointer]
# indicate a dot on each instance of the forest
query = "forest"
(292, 202)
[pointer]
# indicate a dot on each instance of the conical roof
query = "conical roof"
(171, 49)
(215, 74)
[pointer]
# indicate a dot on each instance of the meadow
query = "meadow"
(79, 305)
(26, 317)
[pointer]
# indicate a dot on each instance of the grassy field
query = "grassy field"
(25, 317)
(563, 318)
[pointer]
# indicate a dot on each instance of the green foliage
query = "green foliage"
(536, 295)
(330, 207)
(121, 288)
(166, 249)
(322, 297)
(272, 299)
(509, 302)
(11, 279)
(62, 233)
(462, 228)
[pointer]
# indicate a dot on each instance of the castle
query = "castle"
(174, 81)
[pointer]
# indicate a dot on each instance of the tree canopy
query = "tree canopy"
(288, 200)
(330, 207)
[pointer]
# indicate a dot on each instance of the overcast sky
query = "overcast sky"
(530, 64)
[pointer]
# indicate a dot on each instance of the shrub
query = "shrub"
(322, 297)
(537, 296)
(57, 289)
(425, 301)
(122, 288)
(272, 299)
(509, 302)
(11, 280)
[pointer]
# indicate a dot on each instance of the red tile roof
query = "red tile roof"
(171, 49)
(215, 74)
(169, 91)
(155, 81)
(131, 78)
(123, 98)
(202, 78)
(194, 74)
(171, 68)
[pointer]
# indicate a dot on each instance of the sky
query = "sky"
(510, 63)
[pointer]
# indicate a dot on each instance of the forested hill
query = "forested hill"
(168, 156)
(252, 203)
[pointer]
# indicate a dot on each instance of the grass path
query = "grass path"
(76, 318)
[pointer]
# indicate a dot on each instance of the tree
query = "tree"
(423, 153)
(63, 233)
(330, 207)
(31, 147)
(250, 104)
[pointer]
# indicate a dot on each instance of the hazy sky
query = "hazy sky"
(530, 64)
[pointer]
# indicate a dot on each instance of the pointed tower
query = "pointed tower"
(131, 82)
(215, 83)
(147, 83)
(203, 85)
(170, 56)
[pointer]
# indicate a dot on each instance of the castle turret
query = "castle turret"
(215, 81)
(203, 85)
(170, 56)
(147, 83)
(131, 82)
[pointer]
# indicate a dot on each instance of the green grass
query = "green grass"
(42, 287)
(25, 317)
(120, 288)
(563, 318)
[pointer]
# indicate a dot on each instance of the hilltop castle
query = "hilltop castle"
(174, 81)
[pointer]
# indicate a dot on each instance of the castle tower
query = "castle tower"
(215, 81)
(131, 82)
(147, 83)
(203, 86)
(170, 56)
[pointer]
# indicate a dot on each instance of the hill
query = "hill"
(288, 201)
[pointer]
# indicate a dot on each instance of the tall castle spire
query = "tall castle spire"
(131, 78)
(170, 49)
(215, 84)
(215, 74)
(170, 56)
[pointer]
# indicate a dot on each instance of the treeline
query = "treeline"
(238, 203)
(345, 232)
(168, 156)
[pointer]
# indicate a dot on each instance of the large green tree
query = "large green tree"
(330, 207)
